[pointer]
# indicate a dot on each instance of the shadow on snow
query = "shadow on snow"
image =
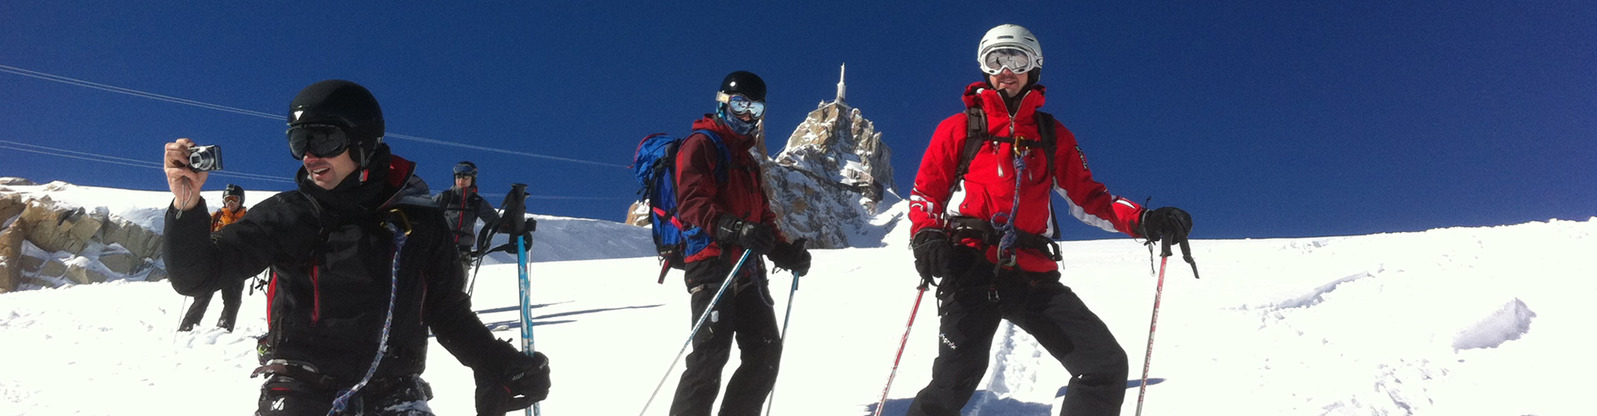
(1130, 384)
(516, 323)
(993, 406)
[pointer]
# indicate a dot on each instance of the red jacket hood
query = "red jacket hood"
(980, 94)
(734, 141)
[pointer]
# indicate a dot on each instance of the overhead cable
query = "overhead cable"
(236, 110)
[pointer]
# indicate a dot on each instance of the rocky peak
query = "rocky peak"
(832, 175)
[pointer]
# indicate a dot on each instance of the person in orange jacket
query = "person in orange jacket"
(233, 293)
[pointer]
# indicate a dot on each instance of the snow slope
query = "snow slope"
(1442, 322)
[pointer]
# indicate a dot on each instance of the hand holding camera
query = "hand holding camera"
(187, 167)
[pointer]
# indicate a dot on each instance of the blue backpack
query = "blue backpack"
(654, 164)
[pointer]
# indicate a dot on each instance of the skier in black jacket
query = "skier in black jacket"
(462, 208)
(363, 266)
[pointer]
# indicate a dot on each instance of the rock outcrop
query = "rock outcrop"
(48, 244)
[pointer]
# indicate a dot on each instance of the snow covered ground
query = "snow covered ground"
(1480, 321)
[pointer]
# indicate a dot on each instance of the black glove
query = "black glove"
(932, 252)
(792, 256)
(754, 236)
(520, 383)
(1166, 222)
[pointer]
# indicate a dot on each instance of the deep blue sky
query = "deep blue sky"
(1262, 118)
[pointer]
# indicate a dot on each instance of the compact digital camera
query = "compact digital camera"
(205, 158)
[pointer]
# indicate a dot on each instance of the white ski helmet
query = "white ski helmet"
(1009, 36)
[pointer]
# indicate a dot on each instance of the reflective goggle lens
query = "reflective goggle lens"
(740, 105)
(1016, 60)
(321, 140)
(464, 170)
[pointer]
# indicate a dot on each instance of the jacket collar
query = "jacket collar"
(387, 181)
(733, 140)
(991, 102)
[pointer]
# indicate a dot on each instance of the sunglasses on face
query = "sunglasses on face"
(1018, 61)
(321, 140)
(739, 104)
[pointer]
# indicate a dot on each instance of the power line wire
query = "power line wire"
(33, 148)
(241, 111)
(96, 157)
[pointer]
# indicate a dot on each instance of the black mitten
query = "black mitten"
(515, 386)
(1164, 222)
(932, 253)
(755, 237)
(792, 256)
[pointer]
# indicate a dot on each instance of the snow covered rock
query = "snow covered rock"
(832, 176)
(45, 243)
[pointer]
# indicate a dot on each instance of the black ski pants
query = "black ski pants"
(970, 306)
(745, 315)
(232, 294)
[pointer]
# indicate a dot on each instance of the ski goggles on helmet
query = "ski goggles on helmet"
(465, 170)
(1016, 60)
(740, 104)
(321, 140)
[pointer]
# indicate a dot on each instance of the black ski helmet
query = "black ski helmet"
(234, 191)
(346, 105)
(466, 168)
(746, 83)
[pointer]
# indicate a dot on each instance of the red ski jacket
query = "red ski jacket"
(988, 189)
(701, 198)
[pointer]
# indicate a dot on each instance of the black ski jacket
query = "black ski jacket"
(331, 253)
(462, 213)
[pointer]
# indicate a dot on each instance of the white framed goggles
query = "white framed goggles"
(739, 104)
(1016, 60)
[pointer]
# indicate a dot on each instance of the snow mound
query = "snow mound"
(1505, 324)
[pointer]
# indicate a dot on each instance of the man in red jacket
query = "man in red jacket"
(982, 220)
(722, 192)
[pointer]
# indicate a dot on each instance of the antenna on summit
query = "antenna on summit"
(842, 90)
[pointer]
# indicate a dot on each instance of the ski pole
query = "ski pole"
(526, 310)
(920, 293)
(1158, 293)
(696, 325)
(476, 265)
(788, 317)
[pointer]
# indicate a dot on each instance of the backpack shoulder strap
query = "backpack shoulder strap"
(1050, 138)
(720, 150)
(975, 134)
(321, 219)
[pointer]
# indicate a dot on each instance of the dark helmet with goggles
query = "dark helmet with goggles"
(233, 191)
(328, 117)
(465, 168)
(741, 94)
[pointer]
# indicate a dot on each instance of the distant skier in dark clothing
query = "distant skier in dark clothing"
(462, 208)
(363, 264)
(982, 220)
(737, 211)
(232, 293)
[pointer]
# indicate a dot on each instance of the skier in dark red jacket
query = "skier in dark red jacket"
(731, 202)
(983, 221)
